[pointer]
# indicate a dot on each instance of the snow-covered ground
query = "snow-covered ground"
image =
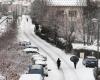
(67, 70)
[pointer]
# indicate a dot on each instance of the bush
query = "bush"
(48, 35)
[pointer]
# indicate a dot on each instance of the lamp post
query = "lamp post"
(96, 23)
(65, 27)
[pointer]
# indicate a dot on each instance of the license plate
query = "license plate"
(92, 62)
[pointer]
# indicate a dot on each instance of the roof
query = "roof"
(77, 46)
(68, 2)
(23, 3)
(30, 77)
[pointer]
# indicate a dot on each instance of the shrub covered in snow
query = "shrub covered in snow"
(96, 73)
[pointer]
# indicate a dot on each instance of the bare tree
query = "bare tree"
(89, 13)
(38, 10)
(4, 8)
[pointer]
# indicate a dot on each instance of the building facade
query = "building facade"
(69, 15)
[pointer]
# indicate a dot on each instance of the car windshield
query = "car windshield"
(36, 71)
(91, 59)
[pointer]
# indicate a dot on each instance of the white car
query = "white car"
(31, 46)
(39, 57)
(31, 77)
(2, 77)
(31, 50)
(41, 62)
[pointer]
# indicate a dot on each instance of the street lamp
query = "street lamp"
(96, 21)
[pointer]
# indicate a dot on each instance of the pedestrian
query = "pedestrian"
(58, 63)
(27, 19)
(75, 63)
(75, 60)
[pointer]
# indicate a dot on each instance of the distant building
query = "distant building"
(20, 6)
(69, 14)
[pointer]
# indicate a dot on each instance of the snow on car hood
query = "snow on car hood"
(31, 77)
(30, 49)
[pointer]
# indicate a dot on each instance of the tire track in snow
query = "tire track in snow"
(27, 31)
(36, 42)
(68, 77)
(57, 54)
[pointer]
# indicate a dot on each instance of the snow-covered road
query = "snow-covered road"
(67, 71)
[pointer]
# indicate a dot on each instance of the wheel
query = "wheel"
(86, 65)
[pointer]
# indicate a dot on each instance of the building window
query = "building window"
(73, 13)
(60, 12)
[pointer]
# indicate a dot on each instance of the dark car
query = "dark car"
(38, 69)
(24, 43)
(90, 61)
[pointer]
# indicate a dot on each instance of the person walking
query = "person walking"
(58, 63)
(75, 63)
(27, 19)
(75, 60)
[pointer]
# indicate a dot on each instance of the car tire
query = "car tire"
(86, 65)
(46, 75)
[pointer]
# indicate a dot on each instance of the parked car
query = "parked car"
(39, 57)
(31, 50)
(90, 61)
(30, 46)
(31, 77)
(2, 77)
(38, 69)
(41, 62)
(24, 43)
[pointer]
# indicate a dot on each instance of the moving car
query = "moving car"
(90, 61)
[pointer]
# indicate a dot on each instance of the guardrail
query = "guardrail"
(5, 19)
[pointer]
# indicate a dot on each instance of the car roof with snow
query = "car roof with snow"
(39, 58)
(36, 66)
(2, 78)
(30, 49)
(40, 62)
(90, 57)
(36, 55)
(31, 77)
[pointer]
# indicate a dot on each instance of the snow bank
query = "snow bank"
(2, 77)
(86, 47)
